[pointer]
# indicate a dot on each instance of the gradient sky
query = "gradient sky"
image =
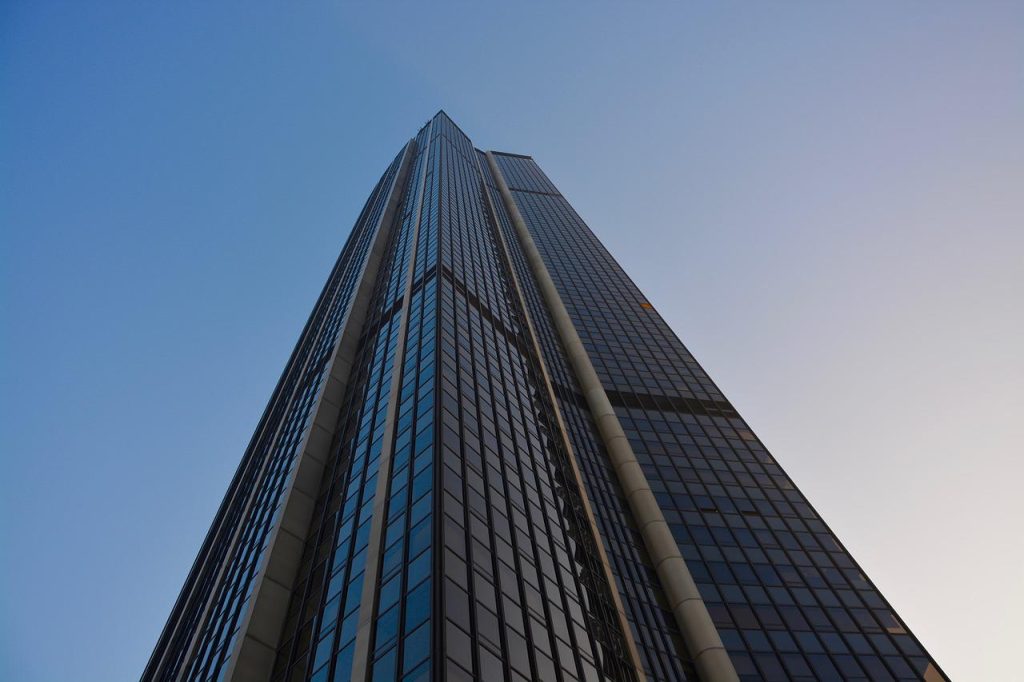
(825, 200)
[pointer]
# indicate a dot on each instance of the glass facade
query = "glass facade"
(204, 622)
(788, 600)
(466, 523)
(320, 630)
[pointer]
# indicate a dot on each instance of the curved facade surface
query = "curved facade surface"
(489, 458)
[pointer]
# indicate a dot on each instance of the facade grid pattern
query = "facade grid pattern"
(521, 598)
(662, 652)
(468, 523)
(787, 598)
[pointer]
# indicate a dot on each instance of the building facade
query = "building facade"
(489, 458)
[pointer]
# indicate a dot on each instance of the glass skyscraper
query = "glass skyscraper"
(489, 458)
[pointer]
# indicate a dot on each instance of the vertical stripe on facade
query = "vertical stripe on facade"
(695, 624)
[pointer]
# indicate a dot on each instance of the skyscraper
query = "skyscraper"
(489, 458)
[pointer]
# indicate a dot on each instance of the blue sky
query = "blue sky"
(824, 200)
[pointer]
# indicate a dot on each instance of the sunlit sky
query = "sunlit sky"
(825, 201)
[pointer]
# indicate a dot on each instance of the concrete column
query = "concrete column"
(259, 634)
(695, 625)
(627, 632)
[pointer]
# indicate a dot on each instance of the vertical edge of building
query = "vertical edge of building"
(300, 418)
(787, 599)
(694, 622)
(260, 633)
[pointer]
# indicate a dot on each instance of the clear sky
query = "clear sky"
(825, 200)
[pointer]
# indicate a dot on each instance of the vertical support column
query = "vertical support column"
(698, 630)
(627, 633)
(255, 649)
(378, 520)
